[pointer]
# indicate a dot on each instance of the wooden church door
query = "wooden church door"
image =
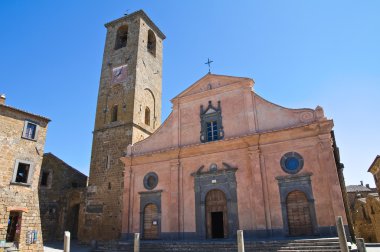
(150, 222)
(216, 215)
(299, 218)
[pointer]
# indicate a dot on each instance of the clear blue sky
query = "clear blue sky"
(300, 54)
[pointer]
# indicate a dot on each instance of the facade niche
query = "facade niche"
(151, 45)
(121, 37)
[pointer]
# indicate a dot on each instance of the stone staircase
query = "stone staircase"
(317, 245)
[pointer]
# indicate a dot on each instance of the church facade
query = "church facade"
(224, 159)
(227, 159)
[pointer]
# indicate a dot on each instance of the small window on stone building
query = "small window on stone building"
(30, 130)
(151, 44)
(74, 184)
(108, 162)
(44, 178)
(211, 123)
(121, 37)
(147, 116)
(22, 173)
(114, 113)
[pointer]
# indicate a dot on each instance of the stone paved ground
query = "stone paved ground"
(58, 247)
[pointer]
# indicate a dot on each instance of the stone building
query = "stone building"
(128, 110)
(375, 170)
(357, 191)
(365, 206)
(224, 159)
(22, 138)
(366, 217)
(61, 194)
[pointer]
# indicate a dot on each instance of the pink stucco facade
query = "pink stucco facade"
(257, 134)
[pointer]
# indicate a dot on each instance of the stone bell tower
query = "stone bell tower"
(128, 110)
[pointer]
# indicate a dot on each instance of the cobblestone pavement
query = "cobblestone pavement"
(58, 247)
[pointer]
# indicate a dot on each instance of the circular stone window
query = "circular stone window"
(292, 162)
(150, 180)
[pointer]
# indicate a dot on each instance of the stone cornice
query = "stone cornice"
(262, 139)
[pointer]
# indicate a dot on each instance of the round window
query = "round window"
(292, 162)
(150, 180)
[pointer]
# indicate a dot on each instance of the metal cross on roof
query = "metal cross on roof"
(209, 64)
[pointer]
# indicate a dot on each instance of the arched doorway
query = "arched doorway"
(299, 218)
(216, 215)
(150, 222)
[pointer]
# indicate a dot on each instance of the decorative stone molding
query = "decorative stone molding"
(299, 182)
(221, 179)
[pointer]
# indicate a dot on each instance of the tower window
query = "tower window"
(147, 116)
(114, 113)
(151, 45)
(121, 37)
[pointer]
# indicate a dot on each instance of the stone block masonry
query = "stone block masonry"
(22, 138)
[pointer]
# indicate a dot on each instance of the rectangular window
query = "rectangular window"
(30, 130)
(22, 173)
(212, 131)
(44, 178)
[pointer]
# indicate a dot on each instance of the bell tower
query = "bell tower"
(128, 110)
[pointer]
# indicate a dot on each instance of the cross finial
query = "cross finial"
(209, 64)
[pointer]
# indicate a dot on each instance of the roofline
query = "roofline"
(205, 76)
(144, 16)
(25, 112)
(51, 154)
(373, 163)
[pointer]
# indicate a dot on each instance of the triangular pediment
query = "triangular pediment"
(210, 81)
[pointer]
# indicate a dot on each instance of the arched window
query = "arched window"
(114, 113)
(121, 37)
(151, 45)
(147, 116)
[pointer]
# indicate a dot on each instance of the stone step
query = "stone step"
(307, 245)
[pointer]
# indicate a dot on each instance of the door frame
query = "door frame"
(299, 182)
(222, 179)
(308, 206)
(208, 217)
(151, 197)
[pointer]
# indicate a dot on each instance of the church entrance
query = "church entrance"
(299, 218)
(216, 215)
(150, 222)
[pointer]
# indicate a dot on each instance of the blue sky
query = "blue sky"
(300, 54)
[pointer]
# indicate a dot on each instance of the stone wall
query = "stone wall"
(60, 195)
(366, 218)
(16, 196)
